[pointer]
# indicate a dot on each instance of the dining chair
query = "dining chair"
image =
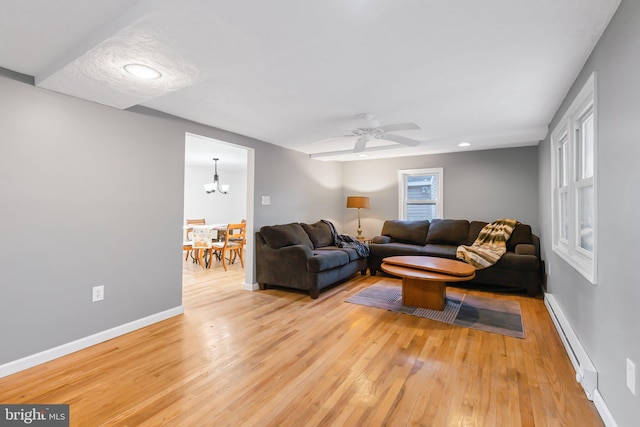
(187, 244)
(234, 242)
(237, 239)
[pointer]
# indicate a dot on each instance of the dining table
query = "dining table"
(220, 229)
(202, 236)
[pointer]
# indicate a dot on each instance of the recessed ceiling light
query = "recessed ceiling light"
(464, 144)
(142, 71)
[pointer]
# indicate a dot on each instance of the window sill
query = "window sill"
(579, 262)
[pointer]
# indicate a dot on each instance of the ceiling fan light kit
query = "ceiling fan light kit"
(367, 121)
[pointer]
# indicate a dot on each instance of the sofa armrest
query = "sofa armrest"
(273, 264)
(525, 249)
(518, 262)
(381, 239)
(295, 254)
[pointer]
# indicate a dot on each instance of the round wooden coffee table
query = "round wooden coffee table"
(424, 278)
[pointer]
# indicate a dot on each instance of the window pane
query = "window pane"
(420, 194)
(560, 168)
(586, 148)
(564, 225)
(421, 211)
(422, 187)
(585, 218)
(562, 165)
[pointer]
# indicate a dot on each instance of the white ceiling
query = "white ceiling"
(200, 151)
(294, 72)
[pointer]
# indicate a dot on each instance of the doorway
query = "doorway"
(235, 168)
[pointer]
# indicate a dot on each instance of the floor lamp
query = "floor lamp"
(358, 202)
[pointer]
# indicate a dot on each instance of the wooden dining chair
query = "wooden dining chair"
(243, 239)
(234, 242)
(187, 244)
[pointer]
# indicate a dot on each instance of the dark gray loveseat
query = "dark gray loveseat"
(520, 267)
(303, 256)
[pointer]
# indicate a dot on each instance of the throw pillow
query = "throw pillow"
(278, 236)
(475, 227)
(413, 232)
(448, 232)
(319, 233)
(520, 234)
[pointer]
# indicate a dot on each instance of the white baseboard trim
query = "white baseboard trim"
(586, 373)
(251, 287)
(603, 410)
(82, 343)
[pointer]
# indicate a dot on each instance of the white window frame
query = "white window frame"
(566, 181)
(403, 174)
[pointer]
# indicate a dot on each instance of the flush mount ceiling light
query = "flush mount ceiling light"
(464, 144)
(142, 71)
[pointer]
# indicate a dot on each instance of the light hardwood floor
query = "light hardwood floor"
(279, 358)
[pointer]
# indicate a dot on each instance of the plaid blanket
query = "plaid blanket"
(490, 245)
(346, 241)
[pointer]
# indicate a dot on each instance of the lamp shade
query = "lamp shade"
(358, 202)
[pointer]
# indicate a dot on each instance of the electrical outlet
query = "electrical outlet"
(631, 376)
(98, 293)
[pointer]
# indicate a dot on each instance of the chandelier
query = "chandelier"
(215, 185)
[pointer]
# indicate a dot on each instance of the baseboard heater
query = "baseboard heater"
(586, 373)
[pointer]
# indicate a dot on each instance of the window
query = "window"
(420, 194)
(573, 166)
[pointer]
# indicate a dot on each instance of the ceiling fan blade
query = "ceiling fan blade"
(400, 126)
(361, 143)
(402, 140)
(337, 138)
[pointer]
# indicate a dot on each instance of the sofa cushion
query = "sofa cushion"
(278, 236)
(440, 251)
(414, 232)
(352, 253)
(475, 227)
(448, 231)
(319, 233)
(395, 249)
(381, 239)
(323, 260)
(520, 234)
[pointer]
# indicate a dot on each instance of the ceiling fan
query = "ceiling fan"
(367, 129)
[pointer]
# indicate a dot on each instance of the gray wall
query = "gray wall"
(478, 185)
(79, 180)
(301, 189)
(606, 317)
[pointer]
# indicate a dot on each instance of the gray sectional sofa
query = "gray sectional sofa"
(303, 256)
(521, 267)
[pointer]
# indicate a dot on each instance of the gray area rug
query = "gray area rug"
(486, 314)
